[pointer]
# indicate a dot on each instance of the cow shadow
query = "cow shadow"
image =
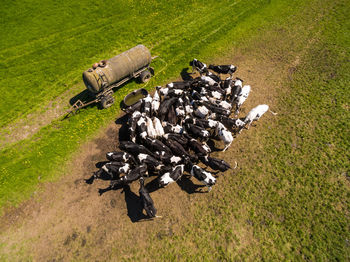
(211, 143)
(123, 133)
(101, 191)
(133, 205)
(185, 75)
(186, 184)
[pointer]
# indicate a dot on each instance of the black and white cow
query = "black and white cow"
(200, 111)
(134, 148)
(203, 176)
(132, 123)
(147, 105)
(231, 123)
(197, 131)
(172, 176)
(201, 149)
(210, 80)
(169, 128)
(114, 169)
(168, 159)
(120, 157)
(133, 175)
(199, 66)
(141, 127)
(156, 145)
(236, 90)
(179, 85)
(224, 135)
(151, 132)
(204, 123)
(217, 109)
(150, 161)
(155, 103)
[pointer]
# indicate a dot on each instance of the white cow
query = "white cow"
(242, 97)
(255, 114)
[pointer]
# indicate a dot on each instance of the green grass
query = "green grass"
(289, 202)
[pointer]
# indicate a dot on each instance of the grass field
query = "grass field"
(290, 198)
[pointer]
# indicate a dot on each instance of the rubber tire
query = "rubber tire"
(145, 76)
(107, 101)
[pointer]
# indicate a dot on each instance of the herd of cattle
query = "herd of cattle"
(168, 132)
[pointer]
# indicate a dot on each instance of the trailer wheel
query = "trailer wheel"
(145, 76)
(107, 101)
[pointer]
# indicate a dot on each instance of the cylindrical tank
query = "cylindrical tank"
(117, 68)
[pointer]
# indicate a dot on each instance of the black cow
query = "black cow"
(146, 199)
(172, 119)
(176, 148)
(223, 69)
(135, 107)
(177, 137)
(215, 163)
(164, 107)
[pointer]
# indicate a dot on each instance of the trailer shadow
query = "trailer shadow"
(84, 96)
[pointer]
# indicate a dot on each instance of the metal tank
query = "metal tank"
(116, 68)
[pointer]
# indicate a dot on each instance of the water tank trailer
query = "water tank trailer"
(102, 77)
